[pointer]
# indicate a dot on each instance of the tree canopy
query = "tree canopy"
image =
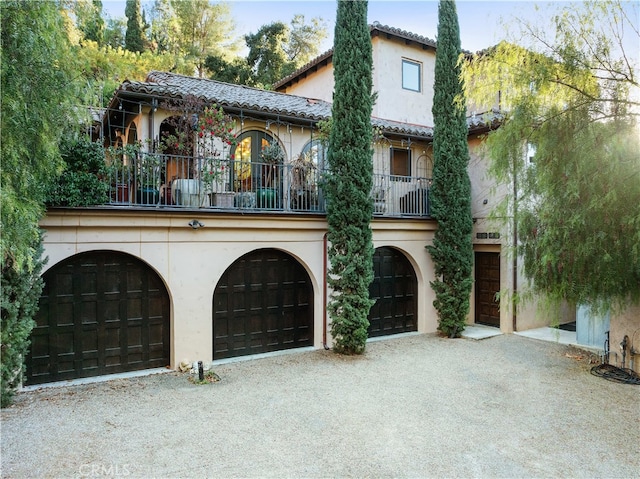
(204, 29)
(275, 51)
(37, 79)
(89, 19)
(569, 142)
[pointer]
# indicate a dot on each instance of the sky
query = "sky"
(480, 21)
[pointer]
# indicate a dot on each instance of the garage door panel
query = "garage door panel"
(134, 337)
(64, 284)
(102, 311)
(111, 310)
(63, 315)
(270, 296)
(393, 289)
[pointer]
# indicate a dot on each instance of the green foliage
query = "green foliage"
(349, 182)
(305, 39)
(267, 57)
(19, 297)
(84, 180)
(573, 100)
(450, 195)
(165, 29)
(204, 29)
(104, 68)
(36, 84)
(134, 39)
(114, 32)
(277, 50)
(235, 71)
(89, 20)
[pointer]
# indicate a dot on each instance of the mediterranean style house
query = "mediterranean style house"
(209, 249)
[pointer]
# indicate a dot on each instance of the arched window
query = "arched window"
(251, 171)
(316, 151)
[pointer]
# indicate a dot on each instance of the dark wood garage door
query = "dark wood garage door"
(394, 289)
(100, 313)
(262, 303)
(487, 285)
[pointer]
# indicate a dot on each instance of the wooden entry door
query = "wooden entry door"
(487, 286)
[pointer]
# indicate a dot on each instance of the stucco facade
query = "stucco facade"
(190, 262)
(191, 248)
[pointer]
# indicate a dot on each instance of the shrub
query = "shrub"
(84, 180)
(19, 297)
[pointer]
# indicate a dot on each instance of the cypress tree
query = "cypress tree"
(452, 249)
(348, 185)
(134, 38)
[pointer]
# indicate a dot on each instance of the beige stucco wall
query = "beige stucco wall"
(393, 102)
(190, 262)
(318, 84)
(486, 196)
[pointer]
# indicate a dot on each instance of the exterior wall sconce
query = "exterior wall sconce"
(195, 224)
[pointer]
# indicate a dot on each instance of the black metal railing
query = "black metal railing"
(148, 179)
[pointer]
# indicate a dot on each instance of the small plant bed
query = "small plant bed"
(210, 377)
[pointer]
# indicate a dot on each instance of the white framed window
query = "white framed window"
(411, 75)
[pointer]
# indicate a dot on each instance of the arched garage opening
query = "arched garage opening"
(262, 303)
(101, 312)
(394, 290)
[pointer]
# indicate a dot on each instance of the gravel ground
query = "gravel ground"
(416, 406)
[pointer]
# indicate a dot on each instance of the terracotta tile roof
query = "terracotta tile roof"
(486, 120)
(377, 28)
(240, 97)
(172, 85)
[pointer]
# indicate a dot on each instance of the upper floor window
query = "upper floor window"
(411, 75)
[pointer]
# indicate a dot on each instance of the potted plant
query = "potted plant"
(148, 167)
(304, 183)
(271, 158)
(120, 171)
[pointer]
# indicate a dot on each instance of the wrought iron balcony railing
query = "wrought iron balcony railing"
(170, 181)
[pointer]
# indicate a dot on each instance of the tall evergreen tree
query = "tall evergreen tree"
(452, 249)
(134, 40)
(348, 186)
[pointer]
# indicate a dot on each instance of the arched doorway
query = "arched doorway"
(257, 175)
(101, 312)
(262, 303)
(394, 289)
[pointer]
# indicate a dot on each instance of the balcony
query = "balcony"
(179, 182)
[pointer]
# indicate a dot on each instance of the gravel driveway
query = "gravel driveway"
(414, 406)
